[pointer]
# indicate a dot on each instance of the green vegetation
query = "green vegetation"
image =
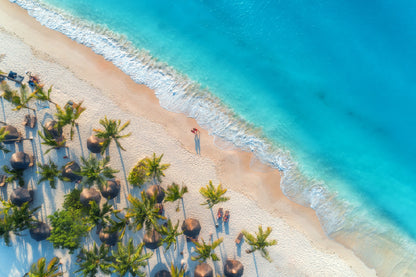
(41, 269)
(95, 171)
(205, 251)
(129, 259)
(170, 234)
(111, 131)
(259, 242)
(17, 99)
(143, 212)
(14, 219)
(69, 115)
(94, 261)
(68, 228)
(49, 172)
(3, 134)
(100, 217)
(41, 95)
(138, 174)
(155, 168)
(177, 272)
(213, 195)
(51, 141)
(14, 175)
(174, 193)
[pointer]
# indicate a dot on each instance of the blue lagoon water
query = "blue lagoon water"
(322, 90)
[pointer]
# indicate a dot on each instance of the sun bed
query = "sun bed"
(239, 238)
(226, 216)
(3, 180)
(14, 77)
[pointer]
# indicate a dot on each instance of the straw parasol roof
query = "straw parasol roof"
(112, 189)
(108, 238)
(40, 231)
(203, 270)
(20, 196)
(89, 194)
(21, 160)
(191, 227)
(233, 268)
(69, 169)
(156, 190)
(52, 127)
(163, 273)
(152, 239)
(94, 144)
(12, 136)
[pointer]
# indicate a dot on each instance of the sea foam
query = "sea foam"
(378, 243)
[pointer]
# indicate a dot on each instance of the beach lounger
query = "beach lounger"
(26, 120)
(219, 213)
(239, 238)
(3, 180)
(14, 77)
(226, 216)
(33, 121)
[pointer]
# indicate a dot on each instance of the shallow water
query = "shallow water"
(322, 90)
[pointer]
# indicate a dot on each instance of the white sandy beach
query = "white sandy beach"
(77, 73)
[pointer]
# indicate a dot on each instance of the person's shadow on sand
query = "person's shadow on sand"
(197, 139)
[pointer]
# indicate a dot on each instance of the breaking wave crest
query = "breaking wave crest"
(378, 243)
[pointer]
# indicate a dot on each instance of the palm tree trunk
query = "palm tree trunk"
(9, 140)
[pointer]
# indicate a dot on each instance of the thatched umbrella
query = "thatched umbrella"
(203, 270)
(152, 239)
(94, 144)
(52, 128)
(21, 160)
(156, 190)
(40, 231)
(12, 136)
(107, 237)
(69, 169)
(233, 268)
(112, 189)
(20, 196)
(89, 194)
(163, 273)
(191, 228)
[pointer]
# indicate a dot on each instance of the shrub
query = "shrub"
(138, 174)
(68, 228)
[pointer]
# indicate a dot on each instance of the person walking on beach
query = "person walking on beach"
(197, 139)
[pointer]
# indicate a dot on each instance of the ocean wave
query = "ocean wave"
(339, 218)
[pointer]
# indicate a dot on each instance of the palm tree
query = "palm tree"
(213, 195)
(143, 212)
(205, 251)
(129, 259)
(49, 172)
(170, 232)
(40, 269)
(173, 193)
(3, 134)
(259, 242)
(111, 131)
(100, 217)
(41, 95)
(177, 272)
(19, 100)
(118, 226)
(68, 115)
(50, 140)
(15, 219)
(155, 168)
(95, 171)
(15, 175)
(94, 260)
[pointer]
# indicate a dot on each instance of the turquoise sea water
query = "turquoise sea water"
(323, 90)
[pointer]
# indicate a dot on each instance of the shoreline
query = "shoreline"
(232, 167)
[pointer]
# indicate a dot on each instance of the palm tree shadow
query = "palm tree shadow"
(255, 264)
(124, 168)
(4, 112)
(183, 209)
(80, 140)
